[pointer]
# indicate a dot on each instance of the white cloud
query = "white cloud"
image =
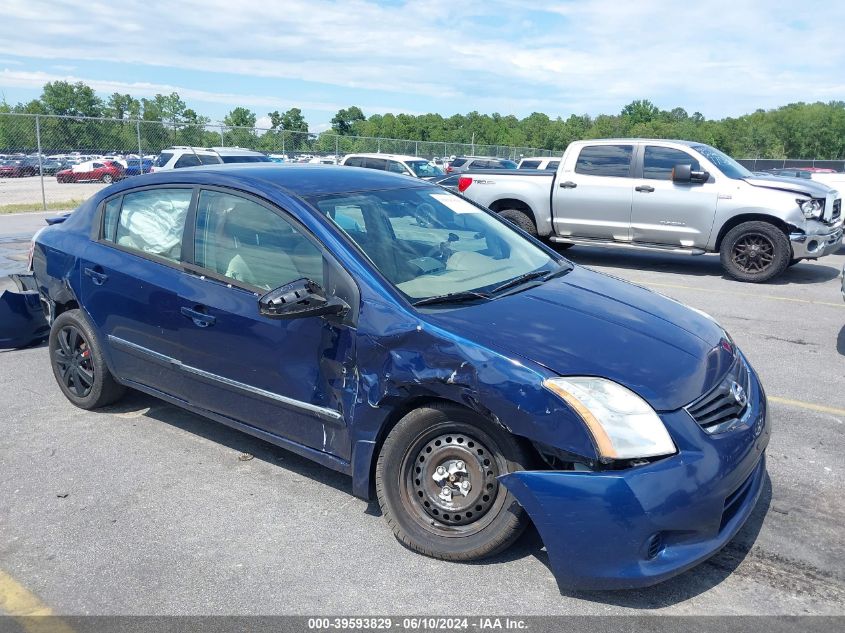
(719, 57)
(36, 79)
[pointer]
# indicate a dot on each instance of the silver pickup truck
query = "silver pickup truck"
(676, 196)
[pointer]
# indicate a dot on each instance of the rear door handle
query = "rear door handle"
(568, 185)
(644, 188)
(97, 275)
(200, 318)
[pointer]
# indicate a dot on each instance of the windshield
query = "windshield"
(423, 169)
(428, 242)
(725, 163)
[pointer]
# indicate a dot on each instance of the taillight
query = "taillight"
(463, 183)
(448, 169)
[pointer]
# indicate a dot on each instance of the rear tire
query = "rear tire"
(442, 447)
(78, 363)
(107, 178)
(520, 219)
(755, 252)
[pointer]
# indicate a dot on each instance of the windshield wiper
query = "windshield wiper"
(534, 274)
(452, 297)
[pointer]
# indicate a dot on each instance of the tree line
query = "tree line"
(798, 130)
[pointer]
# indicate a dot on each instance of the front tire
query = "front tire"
(520, 219)
(436, 481)
(78, 363)
(755, 252)
(107, 178)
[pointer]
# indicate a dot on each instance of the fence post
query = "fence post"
(378, 145)
(283, 140)
(40, 166)
(140, 148)
(416, 148)
(222, 142)
(336, 146)
(445, 153)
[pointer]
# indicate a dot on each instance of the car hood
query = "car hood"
(587, 323)
(804, 186)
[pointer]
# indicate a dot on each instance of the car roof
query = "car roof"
(405, 157)
(298, 179)
(237, 151)
(605, 141)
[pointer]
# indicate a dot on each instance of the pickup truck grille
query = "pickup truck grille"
(718, 409)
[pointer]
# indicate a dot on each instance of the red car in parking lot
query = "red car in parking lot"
(18, 168)
(92, 171)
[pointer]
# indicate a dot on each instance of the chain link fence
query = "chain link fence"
(41, 145)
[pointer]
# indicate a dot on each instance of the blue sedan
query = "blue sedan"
(464, 374)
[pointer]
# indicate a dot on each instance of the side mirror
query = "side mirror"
(298, 299)
(684, 175)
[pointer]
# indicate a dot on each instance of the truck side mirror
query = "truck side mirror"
(298, 299)
(685, 175)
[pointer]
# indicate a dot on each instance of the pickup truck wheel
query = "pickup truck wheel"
(755, 252)
(78, 363)
(436, 480)
(520, 219)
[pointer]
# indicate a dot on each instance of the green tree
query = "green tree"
(239, 120)
(64, 98)
(345, 121)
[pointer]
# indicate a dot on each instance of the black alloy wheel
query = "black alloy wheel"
(72, 357)
(753, 253)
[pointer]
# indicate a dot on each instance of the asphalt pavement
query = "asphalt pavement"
(143, 508)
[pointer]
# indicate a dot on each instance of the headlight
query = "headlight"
(623, 425)
(810, 208)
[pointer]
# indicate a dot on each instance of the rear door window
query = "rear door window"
(658, 162)
(458, 162)
(605, 160)
(355, 161)
(553, 165)
(187, 160)
(376, 163)
(530, 164)
(150, 221)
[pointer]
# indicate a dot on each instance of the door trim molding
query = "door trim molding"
(323, 412)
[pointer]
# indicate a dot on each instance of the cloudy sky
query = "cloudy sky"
(722, 58)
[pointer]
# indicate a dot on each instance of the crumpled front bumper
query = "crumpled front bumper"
(640, 526)
(22, 320)
(824, 240)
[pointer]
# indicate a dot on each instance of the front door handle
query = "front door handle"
(644, 188)
(200, 318)
(98, 277)
(568, 185)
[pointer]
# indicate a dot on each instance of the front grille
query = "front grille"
(837, 209)
(718, 409)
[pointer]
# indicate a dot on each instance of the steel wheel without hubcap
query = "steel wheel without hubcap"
(72, 356)
(450, 482)
(436, 481)
(753, 253)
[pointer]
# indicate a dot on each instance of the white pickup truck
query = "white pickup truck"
(676, 196)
